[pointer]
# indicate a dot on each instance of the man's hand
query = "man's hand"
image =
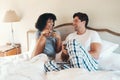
(64, 55)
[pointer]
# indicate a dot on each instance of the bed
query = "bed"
(21, 67)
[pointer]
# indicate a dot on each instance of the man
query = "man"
(83, 47)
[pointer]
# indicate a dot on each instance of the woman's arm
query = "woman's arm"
(58, 43)
(40, 43)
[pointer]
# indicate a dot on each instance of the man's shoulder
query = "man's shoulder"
(91, 31)
(72, 34)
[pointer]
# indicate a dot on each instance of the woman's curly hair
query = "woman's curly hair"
(42, 20)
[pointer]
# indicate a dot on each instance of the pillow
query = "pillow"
(32, 46)
(108, 47)
(110, 62)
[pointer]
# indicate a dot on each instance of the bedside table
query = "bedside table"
(7, 50)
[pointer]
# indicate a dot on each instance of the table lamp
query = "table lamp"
(10, 17)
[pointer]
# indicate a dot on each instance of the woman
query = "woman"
(48, 41)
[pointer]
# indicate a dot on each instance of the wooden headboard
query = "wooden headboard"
(67, 28)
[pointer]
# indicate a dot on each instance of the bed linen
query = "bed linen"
(81, 74)
(109, 70)
(20, 67)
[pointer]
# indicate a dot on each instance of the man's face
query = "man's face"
(77, 23)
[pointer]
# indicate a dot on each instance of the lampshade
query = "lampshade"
(11, 16)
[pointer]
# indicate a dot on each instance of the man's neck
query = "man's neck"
(81, 31)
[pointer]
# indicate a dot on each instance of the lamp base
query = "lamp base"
(11, 44)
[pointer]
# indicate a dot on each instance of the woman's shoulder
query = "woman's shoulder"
(58, 32)
(37, 34)
(37, 31)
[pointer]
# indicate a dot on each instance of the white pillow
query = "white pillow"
(110, 62)
(108, 47)
(31, 48)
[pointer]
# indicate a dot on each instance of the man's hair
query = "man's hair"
(42, 20)
(82, 17)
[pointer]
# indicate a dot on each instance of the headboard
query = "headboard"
(67, 28)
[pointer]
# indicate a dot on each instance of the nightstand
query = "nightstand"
(7, 50)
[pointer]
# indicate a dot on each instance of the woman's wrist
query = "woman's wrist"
(42, 36)
(42, 33)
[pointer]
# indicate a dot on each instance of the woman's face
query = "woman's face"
(49, 24)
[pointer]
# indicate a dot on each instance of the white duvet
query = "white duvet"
(21, 68)
(81, 74)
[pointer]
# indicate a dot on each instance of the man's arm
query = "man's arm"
(95, 49)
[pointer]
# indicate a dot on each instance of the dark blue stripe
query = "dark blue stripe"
(86, 65)
(78, 61)
(75, 53)
(66, 67)
(95, 61)
(88, 58)
(54, 66)
(46, 69)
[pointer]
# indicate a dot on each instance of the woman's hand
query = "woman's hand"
(58, 42)
(57, 36)
(46, 33)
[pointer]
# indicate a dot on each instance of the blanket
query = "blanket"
(22, 68)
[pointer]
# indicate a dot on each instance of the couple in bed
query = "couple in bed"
(82, 47)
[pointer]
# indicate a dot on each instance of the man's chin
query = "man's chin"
(75, 29)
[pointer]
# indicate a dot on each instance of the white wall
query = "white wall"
(102, 13)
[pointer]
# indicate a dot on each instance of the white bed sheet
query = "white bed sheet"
(81, 74)
(110, 70)
(21, 68)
